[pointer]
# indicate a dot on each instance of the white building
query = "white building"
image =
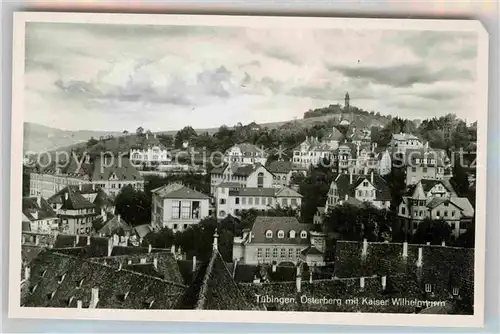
(312, 151)
(231, 199)
(256, 176)
(39, 216)
(274, 240)
(109, 174)
(357, 189)
(362, 158)
(282, 172)
(177, 207)
(245, 154)
(436, 200)
(424, 164)
(150, 151)
(400, 142)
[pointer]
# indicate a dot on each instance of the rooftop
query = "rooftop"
(36, 208)
(275, 224)
(178, 191)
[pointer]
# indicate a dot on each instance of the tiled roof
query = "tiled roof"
(30, 206)
(344, 187)
(436, 201)
(144, 268)
(122, 169)
(275, 224)
(311, 250)
(248, 149)
(143, 230)
(219, 170)
(74, 200)
(464, 204)
(68, 244)
(287, 192)
(115, 225)
(218, 290)
(58, 280)
(412, 154)
(280, 167)
(404, 136)
(176, 190)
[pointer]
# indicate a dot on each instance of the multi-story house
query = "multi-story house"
(109, 173)
(245, 154)
(282, 172)
(39, 216)
(357, 189)
(75, 211)
(362, 158)
(437, 200)
(232, 198)
(256, 176)
(424, 164)
(312, 151)
(400, 142)
(177, 207)
(274, 240)
(360, 136)
(150, 152)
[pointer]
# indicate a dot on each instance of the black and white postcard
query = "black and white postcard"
(248, 169)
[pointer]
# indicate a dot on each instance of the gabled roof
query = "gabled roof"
(275, 224)
(30, 205)
(73, 201)
(122, 169)
(464, 204)
(311, 250)
(404, 136)
(178, 191)
(143, 230)
(287, 192)
(249, 149)
(219, 170)
(280, 167)
(344, 187)
(115, 225)
(436, 201)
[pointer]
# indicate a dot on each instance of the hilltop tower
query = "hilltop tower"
(346, 102)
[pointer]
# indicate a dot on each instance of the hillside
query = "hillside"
(40, 138)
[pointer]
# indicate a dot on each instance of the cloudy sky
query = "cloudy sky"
(117, 77)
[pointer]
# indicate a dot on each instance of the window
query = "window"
(414, 169)
(282, 253)
(284, 202)
(176, 209)
(455, 291)
(428, 288)
(297, 252)
(260, 180)
(259, 252)
(403, 210)
(365, 184)
(290, 252)
(244, 200)
(294, 202)
(438, 213)
(269, 234)
(222, 213)
(195, 212)
(185, 226)
(424, 169)
(250, 200)
(257, 201)
(292, 234)
(360, 193)
(453, 213)
(237, 200)
(222, 201)
(175, 226)
(446, 213)
(446, 204)
(275, 252)
(268, 251)
(269, 201)
(281, 234)
(303, 234)
(186, 210)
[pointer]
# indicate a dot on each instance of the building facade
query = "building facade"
(39, 216)
(400, 142)
(150, 152)
(245, 154)
(177, 207)
(256, 176)
(282, 173)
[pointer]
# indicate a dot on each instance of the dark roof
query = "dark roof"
(275, 224)
(280, 167)
(122, 169)
(344, 187)
(68, 244)
(115, 225)
(311, 250)
(176, 190)
(219, 170)
(30, 206)
(74, 200)
(59, 280)
(144, 268)
(102, 199)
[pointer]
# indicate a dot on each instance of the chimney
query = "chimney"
(143, 260)
(37, 239)
(274, 267)
(310, 276)
(150, 247)
(110, 246)
(119, 218)
(250, 236)
(94, 298)
(443, 243)
(155, 263)
(39, 201)
(147, 135)
(172, 249)
(428, 243)
(365, 248)
(346, 197)
(215, 243)
(103, 214)
(77, 239)
(350, 176)
(366, 170)
(88, 240)
(371, 177)
(79, 304)
(420, 256)
(362, 282)
(140, 241)
(27, 273)
(66, 195)
(194, 264)
(405, 249)
(120, 266)
(80, 187)
(384, 282)
(298, 281)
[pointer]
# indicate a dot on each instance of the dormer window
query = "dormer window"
(428, 288)
(42, 274)
(269, 234)
(292, 234)
(455, 291)
(61, 278)
(303, 234)
(33, 288)
(79, 284)
(281, 234)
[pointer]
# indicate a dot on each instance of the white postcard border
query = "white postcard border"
(16, 311)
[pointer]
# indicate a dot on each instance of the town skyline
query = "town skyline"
(174, 77)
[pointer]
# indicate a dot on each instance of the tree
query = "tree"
(139, 131)
(125, 132)
(91, 142)
(433, 231)
(133, 206)
(468, 238)
(460, 179)
(186, 134)
(163, 238)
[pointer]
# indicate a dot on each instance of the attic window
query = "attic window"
(281, 234)
(33, 288)
(123, 297)
(50, 296)
(70, 300)
(79, 284)
(428, 288)
(303, 234)
(61, 278)
(292, 234)
(455, 291)
(42, 274)
(269, 234)
(149, 303)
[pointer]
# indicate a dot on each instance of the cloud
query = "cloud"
(402, 75)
